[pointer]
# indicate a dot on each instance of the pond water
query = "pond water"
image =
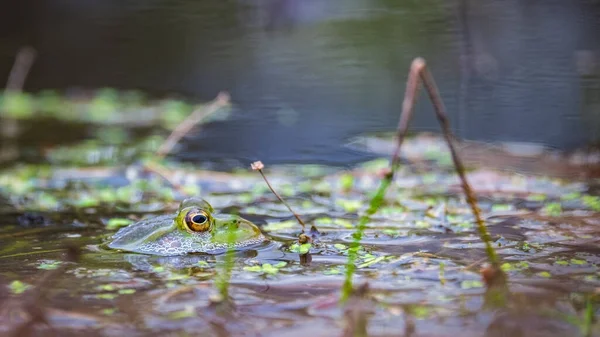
(307, 78)
(308, 75)
(420, 254)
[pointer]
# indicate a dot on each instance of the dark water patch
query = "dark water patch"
(326, 71)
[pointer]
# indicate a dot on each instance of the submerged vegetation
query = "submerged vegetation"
(414, 236)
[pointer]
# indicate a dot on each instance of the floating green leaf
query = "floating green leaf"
(371, 261)
(553, 209)
(266, 268)
(340, 246)
(469, 284)
(109, 311)
(106, 296)
(49, 265)
(592, 202)
(300, 248)
(116, 223)
(349, 205)
(188, 312)
(346, 181)
(18, 287)
(578, 262)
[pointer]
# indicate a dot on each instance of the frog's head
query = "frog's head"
(194, 229)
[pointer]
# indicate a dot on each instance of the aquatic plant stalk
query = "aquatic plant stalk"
(258, 166)
(441, 114)
(410, 96)
(9, 128)
(358, 234)
(588, 318)
(356, 313)
(20, 70)
(418, 71)
(223, 279)
(187, 124)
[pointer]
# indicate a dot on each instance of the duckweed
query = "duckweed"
(18, 287)
(116, 223)
(301, 248)
(553, 209)
(266, 268)
(49, 265)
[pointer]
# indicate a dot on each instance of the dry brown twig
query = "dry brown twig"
(18, 74)
(194, 118)
(408, 104)
(9, 128)
(222, 100)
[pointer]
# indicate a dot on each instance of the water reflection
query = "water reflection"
(306, 75)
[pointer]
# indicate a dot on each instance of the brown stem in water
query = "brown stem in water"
(9, 127)
(258, 166)
(357, 312)
(410, 97)
(418, 70)
(187, 124)
(20, 69)
(441, 114)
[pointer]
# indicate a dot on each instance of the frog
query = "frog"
(194, 228)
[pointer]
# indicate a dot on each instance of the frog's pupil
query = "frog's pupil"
(199, 218)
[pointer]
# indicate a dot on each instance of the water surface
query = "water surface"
(307, 75)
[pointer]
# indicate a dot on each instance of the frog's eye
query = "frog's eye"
(197, 221)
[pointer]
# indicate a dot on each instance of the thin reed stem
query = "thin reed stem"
(441, 114)
(258, 166)
(408, 104)
(222, 282)
(410, 96)
(588, 317)
(18, 74)
(354, 246)
(418, 71)
(9, 128)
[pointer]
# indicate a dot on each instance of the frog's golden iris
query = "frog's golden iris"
(197, 221)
